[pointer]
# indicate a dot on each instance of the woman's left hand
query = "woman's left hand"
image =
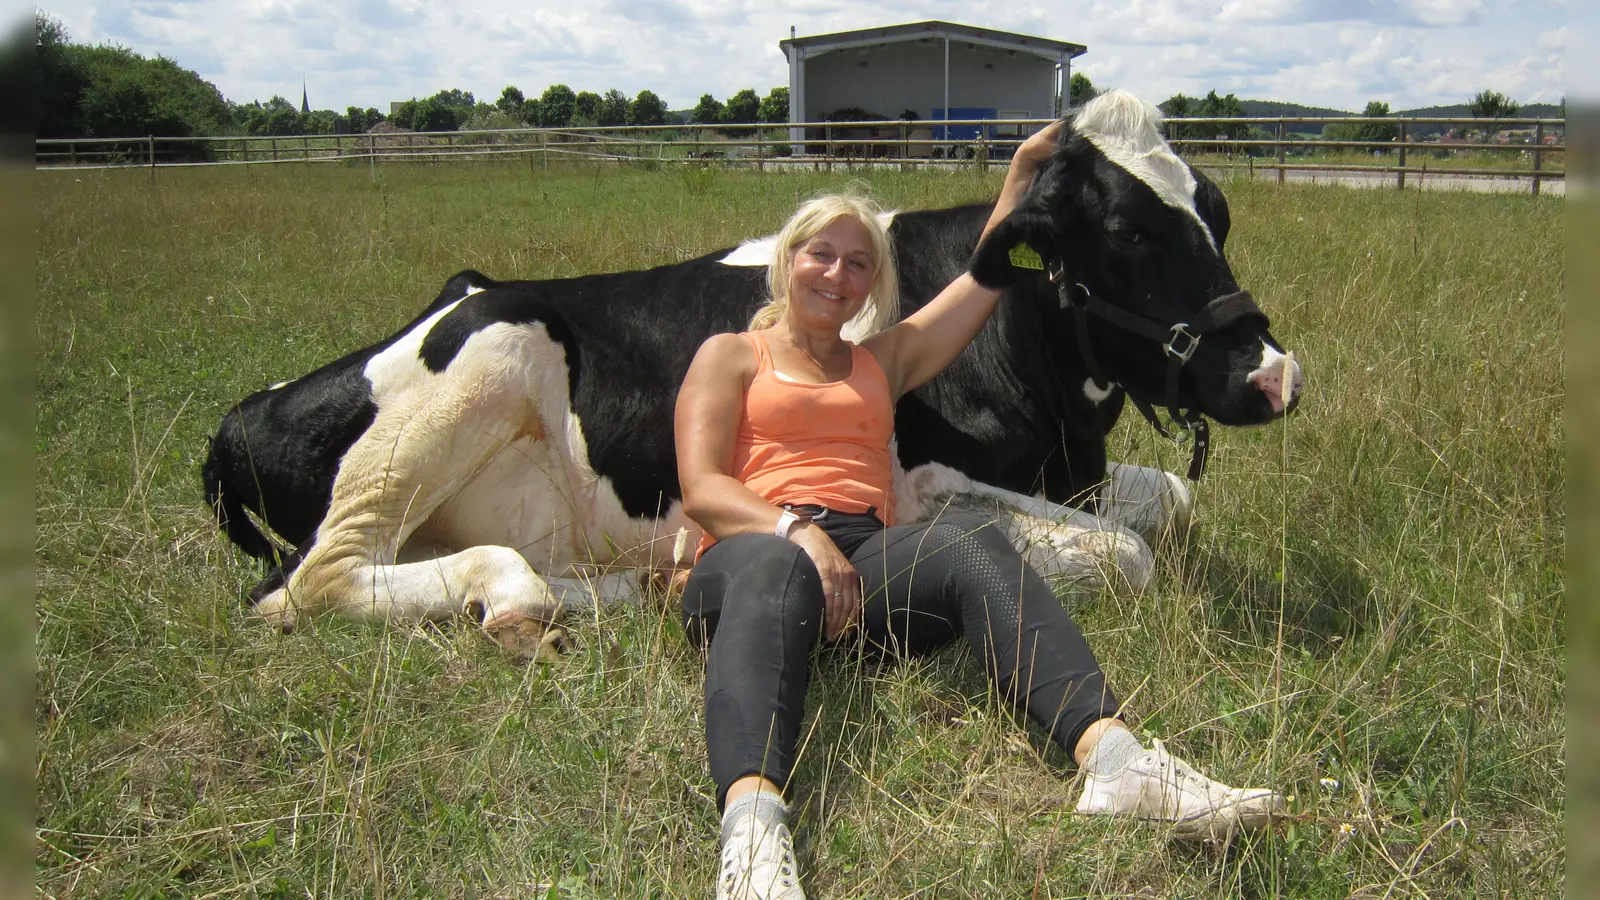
(841, 586)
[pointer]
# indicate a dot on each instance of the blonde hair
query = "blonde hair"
(883, 301)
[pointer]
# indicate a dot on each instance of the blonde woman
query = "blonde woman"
(783, 455)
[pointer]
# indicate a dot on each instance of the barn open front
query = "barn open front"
(1369, 612)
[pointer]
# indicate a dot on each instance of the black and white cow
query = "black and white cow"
(525, 427)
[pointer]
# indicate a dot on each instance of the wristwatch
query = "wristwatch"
(787, 520)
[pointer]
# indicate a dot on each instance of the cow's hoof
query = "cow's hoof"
(276, 611)
(528, 638)
(1178, 504)
(664, 585)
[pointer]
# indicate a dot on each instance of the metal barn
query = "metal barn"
(927, 70)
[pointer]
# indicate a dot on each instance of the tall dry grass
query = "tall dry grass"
(1374, 595)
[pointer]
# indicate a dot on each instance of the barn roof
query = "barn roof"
(916, 31)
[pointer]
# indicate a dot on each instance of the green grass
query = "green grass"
(1374, 593)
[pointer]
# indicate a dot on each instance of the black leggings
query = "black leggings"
(756, 600)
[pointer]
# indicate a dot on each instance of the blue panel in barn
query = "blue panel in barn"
(964, 132)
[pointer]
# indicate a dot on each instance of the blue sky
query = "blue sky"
(1338, 53)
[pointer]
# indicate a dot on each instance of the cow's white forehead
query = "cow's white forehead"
(1128, 131)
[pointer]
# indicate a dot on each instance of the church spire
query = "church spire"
(305, 106)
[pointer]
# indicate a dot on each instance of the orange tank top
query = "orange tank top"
(826, 444)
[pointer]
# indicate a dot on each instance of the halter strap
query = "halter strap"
(1178, 342)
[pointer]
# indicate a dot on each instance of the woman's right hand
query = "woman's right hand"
(841, 586)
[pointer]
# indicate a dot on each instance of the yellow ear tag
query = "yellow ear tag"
(1025, 257)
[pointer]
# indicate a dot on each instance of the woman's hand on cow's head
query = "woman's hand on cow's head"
(1036, 151)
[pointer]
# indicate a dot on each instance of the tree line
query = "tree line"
(110, 91)
(1486, 104)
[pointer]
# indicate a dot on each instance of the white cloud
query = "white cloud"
(1554, 39)
(1445, 12)
(1337, 53)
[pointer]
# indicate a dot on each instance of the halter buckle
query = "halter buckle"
(1180, 332)
(1057, 270)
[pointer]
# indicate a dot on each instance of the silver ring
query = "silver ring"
(838, 593)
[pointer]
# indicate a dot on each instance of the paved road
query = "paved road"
(1483, 183)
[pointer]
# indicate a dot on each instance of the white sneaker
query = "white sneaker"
(758, 864)
(1162, 787)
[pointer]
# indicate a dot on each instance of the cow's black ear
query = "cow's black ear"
(1017, 248)
(1212, 206)
(1030, 238)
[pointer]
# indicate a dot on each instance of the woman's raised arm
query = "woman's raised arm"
(919, 347)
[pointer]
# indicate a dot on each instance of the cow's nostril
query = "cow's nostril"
(1270, 382)
(1280, 379)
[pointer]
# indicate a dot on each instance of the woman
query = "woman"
(783, 455)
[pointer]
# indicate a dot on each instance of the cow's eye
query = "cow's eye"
(1125, 234)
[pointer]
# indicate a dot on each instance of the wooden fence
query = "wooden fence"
(1271, 147)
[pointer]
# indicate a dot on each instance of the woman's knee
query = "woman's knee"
(774, 580)
(972, 541)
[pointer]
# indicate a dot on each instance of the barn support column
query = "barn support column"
(947, 86)
(1064, 89)
(797, 97)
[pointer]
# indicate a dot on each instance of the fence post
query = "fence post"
(152, 139)
(1538, 155)
(72, 154)
(372, 155)
(1282, 134)
(1404, 134)
(827, 143)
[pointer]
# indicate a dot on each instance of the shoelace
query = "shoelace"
(731, 868)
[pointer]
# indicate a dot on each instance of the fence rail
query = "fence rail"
(1266, 144)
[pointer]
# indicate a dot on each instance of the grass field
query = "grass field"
(1374, 593)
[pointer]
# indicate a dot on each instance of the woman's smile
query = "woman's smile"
(836, 266)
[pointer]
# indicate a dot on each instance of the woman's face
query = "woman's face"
(831, 274)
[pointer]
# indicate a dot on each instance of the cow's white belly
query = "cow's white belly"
(521, 499)
(529, 497)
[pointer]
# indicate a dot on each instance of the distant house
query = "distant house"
(927, 70)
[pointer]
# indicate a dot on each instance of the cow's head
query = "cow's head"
(1129, 223)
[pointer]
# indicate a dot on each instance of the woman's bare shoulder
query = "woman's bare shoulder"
(727, 352)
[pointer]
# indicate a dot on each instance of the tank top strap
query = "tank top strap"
(863, 363)
(763, 355)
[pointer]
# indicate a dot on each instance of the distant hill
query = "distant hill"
(1279, 108)
(1459, 110)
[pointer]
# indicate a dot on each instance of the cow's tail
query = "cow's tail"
(227, 507)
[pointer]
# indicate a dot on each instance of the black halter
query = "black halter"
(1177, 341)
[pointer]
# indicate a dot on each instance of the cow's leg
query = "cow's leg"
(611, 588)
(431, 435)
(1060, 542)
(1154, 503)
